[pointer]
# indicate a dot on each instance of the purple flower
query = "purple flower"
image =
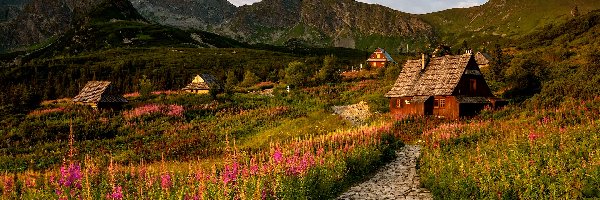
(165, 181)
(277, 156)
(71, 176)
(230, 173)
(117, 193)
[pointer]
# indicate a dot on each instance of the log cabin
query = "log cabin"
(202, 84)
(449, 86)
(99, 94)
(380, 58)
(483, 60)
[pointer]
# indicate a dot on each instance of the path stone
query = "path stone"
(396, 180)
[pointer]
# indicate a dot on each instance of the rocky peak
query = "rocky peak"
(199, 14)
(41, 20)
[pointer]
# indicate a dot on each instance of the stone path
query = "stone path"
(397, 180)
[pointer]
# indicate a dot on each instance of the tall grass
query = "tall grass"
(517, 153)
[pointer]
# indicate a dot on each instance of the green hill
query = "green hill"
(499, 19)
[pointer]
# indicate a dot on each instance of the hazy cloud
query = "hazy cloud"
(410, 6)
(242, 2)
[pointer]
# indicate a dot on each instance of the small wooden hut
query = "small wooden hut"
(380, 58)
(447, 86)
(99, 94)
(483, 59)
(202, 84)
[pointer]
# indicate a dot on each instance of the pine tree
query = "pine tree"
(249, 79)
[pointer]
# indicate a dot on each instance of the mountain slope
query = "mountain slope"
(9, 9)
(504, 18)
(41, 20)
(343, 23)
(199, 14)
(339, 23)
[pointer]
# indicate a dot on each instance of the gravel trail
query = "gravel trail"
(397, 180)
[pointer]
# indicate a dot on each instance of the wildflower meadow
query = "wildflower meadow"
(517, 153)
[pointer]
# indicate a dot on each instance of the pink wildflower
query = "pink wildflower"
(165, 181)
(117, 193)
(277, 156)
(534, 136)
(230, 173)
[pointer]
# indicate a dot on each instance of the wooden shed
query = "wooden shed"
(202, 84)
(380, 58)
(99, 94)
(447, 86)
(483, 59)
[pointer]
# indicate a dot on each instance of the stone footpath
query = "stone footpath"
(397, 180)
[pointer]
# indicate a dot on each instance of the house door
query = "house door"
(429, 106)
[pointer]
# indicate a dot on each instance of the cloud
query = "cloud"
(410, 6)
(242, 2)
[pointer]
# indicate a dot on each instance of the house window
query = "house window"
(378, 55)
(473, 86)
(439, 103)
(399, 103)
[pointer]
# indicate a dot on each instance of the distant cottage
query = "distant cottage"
(202, 84)
(483, 59)
(447, 86)
(99, 94)
(379, 58)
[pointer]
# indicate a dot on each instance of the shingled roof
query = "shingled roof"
(203, 82)
(482, 58)
(98, 92)
(440, 76)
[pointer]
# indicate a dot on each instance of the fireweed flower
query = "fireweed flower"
(230, 173)
(117, 193)
(165, 181)
(277, 156)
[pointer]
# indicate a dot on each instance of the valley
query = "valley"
(285, 99)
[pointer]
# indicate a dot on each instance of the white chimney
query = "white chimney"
(423, 61)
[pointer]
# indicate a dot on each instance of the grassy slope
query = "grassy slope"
(544, 148)
(255, 121)
(503, 18)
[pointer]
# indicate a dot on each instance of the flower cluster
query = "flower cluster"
(46, 111)
(68, 184)
(149, 109)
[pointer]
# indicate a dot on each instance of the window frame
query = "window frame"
(439, 103)
(473, 86)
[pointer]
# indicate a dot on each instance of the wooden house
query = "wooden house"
(482, 59)
(99, 94)
(202, 84)
(379, 58)
(447, 86)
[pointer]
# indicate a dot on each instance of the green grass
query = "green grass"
(498, 19)
(516, 153)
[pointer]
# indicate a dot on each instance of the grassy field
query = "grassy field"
(173, 145)
(517, 153)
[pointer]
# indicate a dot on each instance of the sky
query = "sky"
(409, 6)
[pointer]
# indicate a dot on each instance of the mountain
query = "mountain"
(343, 23)
(198, 14)
(40, 21)
(9, 9)
(498, 19)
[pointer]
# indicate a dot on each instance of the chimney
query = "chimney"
(424, 61)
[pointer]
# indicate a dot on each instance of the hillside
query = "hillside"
(9, 9)
(40, 21)
(498, 19)
(344, 23)
(200, 14)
